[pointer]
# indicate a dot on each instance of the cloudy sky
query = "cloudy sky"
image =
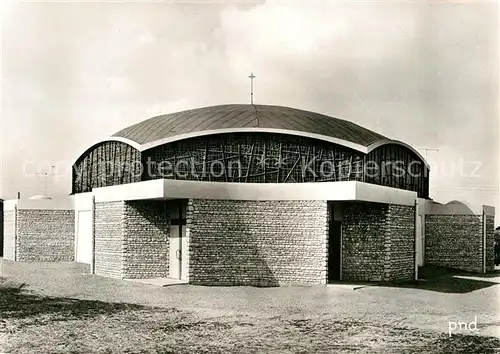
(422, 72)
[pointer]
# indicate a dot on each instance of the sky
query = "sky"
(423, 72)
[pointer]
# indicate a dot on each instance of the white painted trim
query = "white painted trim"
(62, 203)
(75, 241)
(132, 143)
(259, 191)
(368, 192)
(83, 201)
(78, 239)
(196, 134)
(421, 206)
(10, 204)
(132, 191)
(92, 216)
(397, 142)
(331, 191)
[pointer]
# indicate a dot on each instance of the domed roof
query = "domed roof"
(461, 207)
(246, 116)
(40, 196)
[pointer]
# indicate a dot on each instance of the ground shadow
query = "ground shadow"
(446, 280)
(437, 279)
(493, 274)
(17, 303)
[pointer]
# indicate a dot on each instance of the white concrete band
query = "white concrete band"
(62, 203)
(331, 191)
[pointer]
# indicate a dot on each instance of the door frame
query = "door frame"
(181, 222)
(339, 222)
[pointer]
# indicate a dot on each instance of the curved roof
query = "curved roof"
(40, 196)
(235, 116)
(239, 118)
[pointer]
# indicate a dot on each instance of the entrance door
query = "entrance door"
(177, 240)
(334, 250)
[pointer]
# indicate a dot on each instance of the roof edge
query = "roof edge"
(346, 143)
(380, 143)
(342, 142)
(132, 143)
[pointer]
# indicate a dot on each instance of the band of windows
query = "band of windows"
(250, 158)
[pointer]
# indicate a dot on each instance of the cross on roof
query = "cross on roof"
(252, 76)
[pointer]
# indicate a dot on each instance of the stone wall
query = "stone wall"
(45, 235)
(146, 240)
(490, 243)
(378, 242)
(9, 235)
(454, 241)
(363, 241)
(109, 239)
(131, 239)
(262, 243)
(400, 243)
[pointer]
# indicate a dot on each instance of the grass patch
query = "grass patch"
(15, 303)
(37, 324)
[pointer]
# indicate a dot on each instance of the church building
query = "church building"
(253, 195)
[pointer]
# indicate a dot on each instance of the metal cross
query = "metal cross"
(45, 174)
(251, 77)
(428, 149)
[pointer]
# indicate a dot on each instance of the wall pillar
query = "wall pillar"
(109, 239)
(145, 240)
(378, 242)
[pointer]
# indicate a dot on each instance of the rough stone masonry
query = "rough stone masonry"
(378, 242)
(38, 235)
(131, 239)
(456, 241)
(263, 243)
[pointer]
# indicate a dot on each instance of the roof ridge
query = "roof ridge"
(256, 116)
(187, 121)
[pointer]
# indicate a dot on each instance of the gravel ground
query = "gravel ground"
(63, 309)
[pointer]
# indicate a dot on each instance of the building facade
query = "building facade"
(262, 195)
